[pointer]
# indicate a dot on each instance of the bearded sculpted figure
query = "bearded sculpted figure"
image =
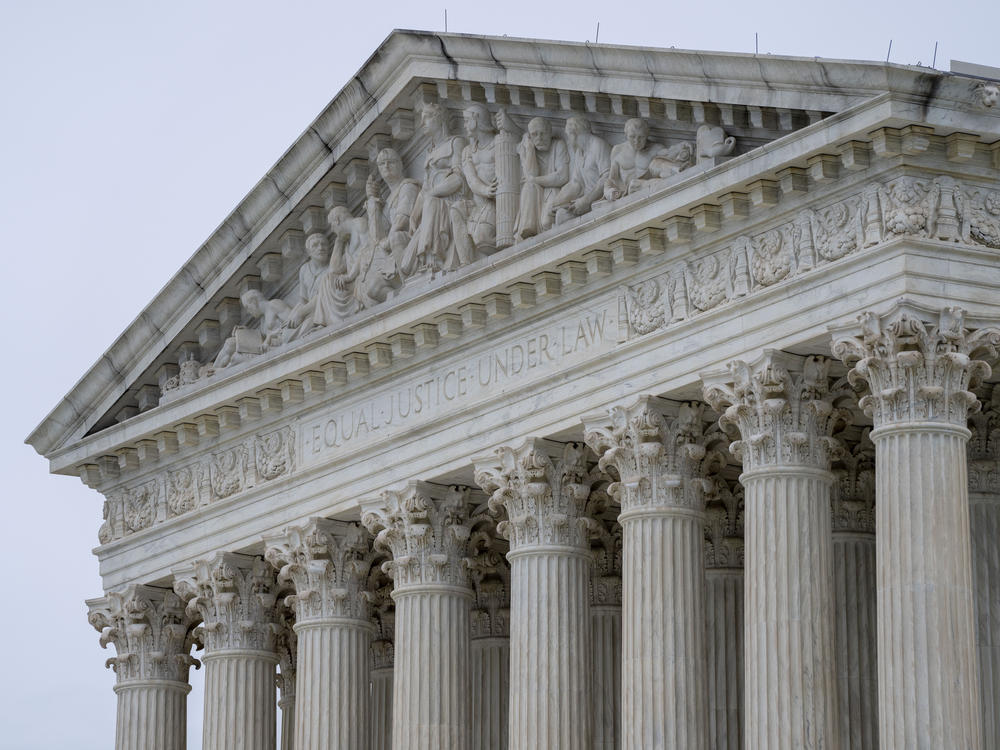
(544, 170)
(589, 164)
(439, 241)
(317, 258)
(335, 296)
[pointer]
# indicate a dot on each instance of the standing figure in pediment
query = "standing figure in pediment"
(389, 230)
(316, 264)
(439, 241)
(544, 170)
(335, 297)
(590, 162)
(479, 168)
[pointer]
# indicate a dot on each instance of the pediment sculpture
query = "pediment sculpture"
(503, 180)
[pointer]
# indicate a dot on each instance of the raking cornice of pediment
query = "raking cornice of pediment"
(760, 99)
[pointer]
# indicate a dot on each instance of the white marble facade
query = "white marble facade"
(537, 405)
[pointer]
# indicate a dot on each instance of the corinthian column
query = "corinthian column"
(425, 527)
(286, 644)
(920, 374)
(984, 499)
(654, 446)
(724, 614)
(490, 635)
(382, 658)
(606, 619)
(544, 488)
(152, 637)
(854, 596)
(327, 563)
(786, 421)
(235, 597)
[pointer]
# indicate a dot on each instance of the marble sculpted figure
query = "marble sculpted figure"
(557, 396)
(500, 183)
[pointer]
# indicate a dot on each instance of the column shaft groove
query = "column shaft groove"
(240, 701)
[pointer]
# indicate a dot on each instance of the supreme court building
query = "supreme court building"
(556, 396)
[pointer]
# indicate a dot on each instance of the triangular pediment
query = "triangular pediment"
(334, 235)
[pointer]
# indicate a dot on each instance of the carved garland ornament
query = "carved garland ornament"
(937, 208)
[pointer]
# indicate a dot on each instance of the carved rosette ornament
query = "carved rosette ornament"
(544, 488)
(327, 562)
(916, 370)
(235, 597)
(151, 632)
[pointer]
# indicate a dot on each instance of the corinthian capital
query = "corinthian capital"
(984, 445)
(235, 596)
(853, 498)
(426, 529)
(783, 408)
(919, 365)
(150, 630)
(724, 525)
(544, 487)
(327, 562)
(658, 449)
(490, 573)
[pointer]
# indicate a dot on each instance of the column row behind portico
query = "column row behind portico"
(786, 413)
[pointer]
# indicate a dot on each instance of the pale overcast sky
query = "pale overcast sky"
(131, 129)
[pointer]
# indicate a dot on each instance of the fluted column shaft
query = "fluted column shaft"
(431, 687)
(855, 627)
(606, 637)
(381, 710)
(550, 692)
(928, 697)
(490, 693)
(985, 508)
(724, 615)
(286, 704)
(332, 685)
(152, 715)
(663, 629)
(790, 677)
(240, 700)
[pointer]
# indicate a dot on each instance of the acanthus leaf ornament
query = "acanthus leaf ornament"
(151, 631)
(425, 527)
(782, 407)
(853, 497)
(327, 563)
(916, 368)
(659, 451)
(544, 487)
(235, 596)
(984, 444)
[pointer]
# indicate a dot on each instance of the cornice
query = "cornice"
(407, 56)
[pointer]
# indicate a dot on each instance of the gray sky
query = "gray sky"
(131, 129)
